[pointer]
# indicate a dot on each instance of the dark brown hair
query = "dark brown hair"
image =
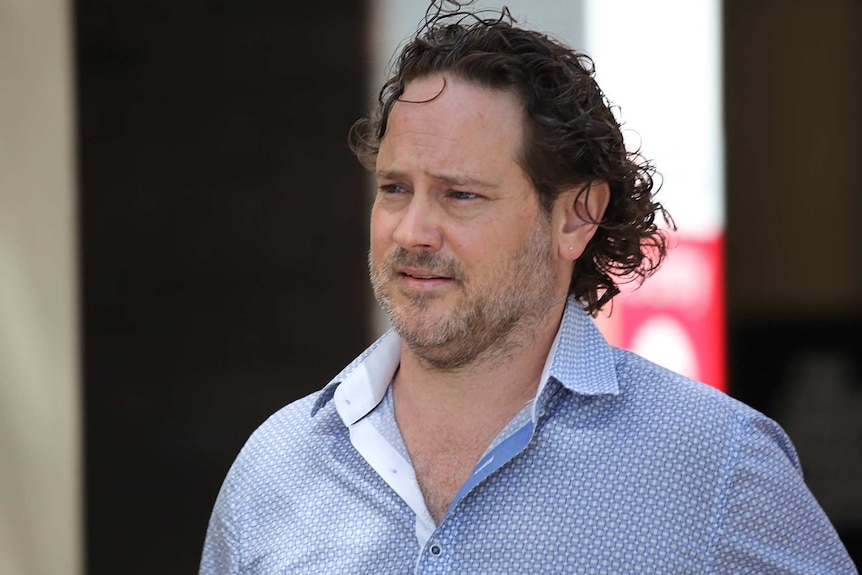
(571, 137)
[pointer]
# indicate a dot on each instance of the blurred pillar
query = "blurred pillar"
(39, 389)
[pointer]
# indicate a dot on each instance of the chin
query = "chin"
(421, 327)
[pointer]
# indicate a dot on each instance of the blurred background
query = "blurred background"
(183, 236)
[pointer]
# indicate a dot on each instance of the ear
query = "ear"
(575, 217)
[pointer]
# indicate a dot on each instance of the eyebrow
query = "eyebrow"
(449, 180)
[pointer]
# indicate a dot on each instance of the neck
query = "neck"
(494, 386)
(448, 418)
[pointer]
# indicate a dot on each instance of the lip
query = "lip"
(421, 273)
(421, 279)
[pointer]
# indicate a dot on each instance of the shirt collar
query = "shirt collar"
(579, 359)
(361, 385)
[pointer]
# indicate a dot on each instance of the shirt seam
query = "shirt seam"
(732, 461)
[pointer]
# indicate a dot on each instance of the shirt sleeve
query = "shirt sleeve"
(221, 547)
(770, 521)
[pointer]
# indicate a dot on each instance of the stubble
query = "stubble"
(492, 317)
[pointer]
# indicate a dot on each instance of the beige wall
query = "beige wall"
(40, 485)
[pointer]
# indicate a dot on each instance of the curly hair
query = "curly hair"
(571, 137)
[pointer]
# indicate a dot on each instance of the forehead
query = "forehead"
(446, 118)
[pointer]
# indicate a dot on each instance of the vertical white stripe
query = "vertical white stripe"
(660, 61)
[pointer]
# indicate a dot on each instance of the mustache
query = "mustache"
(434, 263)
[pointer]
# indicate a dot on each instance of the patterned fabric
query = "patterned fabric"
(618, 466)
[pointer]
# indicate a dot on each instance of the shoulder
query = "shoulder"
(672, 401)
(280, 457)
(263, 482)
(757, 512)
(288, 435)
(644, 381)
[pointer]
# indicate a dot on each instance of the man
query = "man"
(494, 430)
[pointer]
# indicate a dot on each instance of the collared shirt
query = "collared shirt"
(617, 466)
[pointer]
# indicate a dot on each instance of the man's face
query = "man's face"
(461, 253)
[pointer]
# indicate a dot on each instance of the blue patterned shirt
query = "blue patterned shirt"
(617, 466)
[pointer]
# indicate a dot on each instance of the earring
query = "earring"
(571, 248)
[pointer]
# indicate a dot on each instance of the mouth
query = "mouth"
(420, 274)
(422, 279)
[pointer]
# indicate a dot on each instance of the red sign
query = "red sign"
(676, 318)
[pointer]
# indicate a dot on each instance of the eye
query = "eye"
(463, 195)
(392, 189)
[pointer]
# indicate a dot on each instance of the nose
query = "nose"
(419, 226)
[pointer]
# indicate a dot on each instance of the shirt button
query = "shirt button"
(435, 550)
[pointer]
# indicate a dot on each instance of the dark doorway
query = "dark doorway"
(224, 237)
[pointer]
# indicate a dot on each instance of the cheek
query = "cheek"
(479, 249)
(377, 225)
(380, 233)
(492, 239)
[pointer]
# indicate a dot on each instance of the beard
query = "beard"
(491, 317)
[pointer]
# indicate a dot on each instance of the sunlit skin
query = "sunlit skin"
(472, 272)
